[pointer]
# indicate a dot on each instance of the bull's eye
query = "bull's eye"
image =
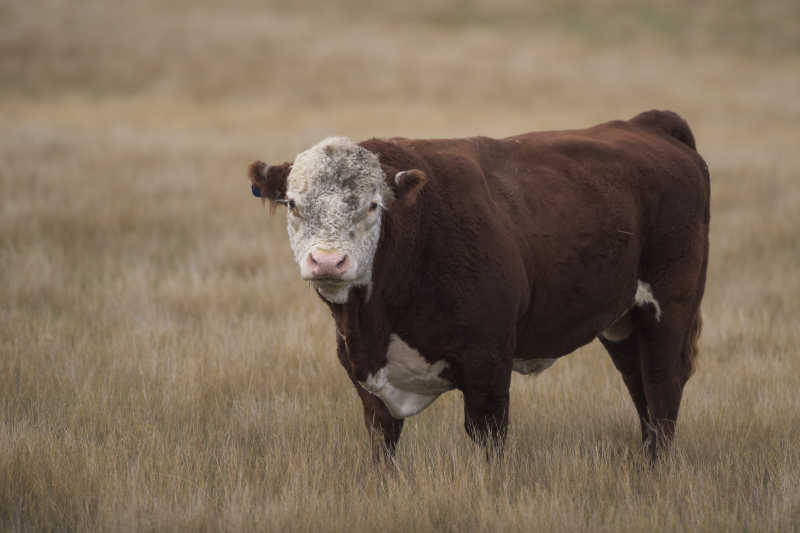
(373, 206)
(292, 208)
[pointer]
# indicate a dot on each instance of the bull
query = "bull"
(450, 263)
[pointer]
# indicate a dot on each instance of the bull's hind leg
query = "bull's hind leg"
(624, 352)
(654, 350)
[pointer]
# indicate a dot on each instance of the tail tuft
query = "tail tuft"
(667, 122)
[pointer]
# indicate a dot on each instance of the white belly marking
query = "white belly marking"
(531, 366)
(407, 384)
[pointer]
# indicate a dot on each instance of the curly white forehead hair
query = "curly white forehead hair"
(335, 158)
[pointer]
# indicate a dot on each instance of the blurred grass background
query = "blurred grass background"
(163, 367)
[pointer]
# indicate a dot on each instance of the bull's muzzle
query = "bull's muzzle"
(324, 264)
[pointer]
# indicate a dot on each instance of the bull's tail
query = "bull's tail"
(667, 122)
(692, 339)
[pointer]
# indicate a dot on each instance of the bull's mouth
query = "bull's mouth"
(330, 282)
(334, 290)
(328, 279)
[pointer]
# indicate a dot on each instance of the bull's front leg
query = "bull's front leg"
(384, 430)
(486, 382)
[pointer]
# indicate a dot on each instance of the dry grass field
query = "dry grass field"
(162, 367)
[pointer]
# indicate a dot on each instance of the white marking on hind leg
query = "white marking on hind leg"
(644, 296)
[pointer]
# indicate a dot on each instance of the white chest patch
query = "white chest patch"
(531, 366)
(408, 383)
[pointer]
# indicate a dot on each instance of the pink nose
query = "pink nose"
(326, 264)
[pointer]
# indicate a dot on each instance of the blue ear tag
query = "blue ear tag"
(256, 190)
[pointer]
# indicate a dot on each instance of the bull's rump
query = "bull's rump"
(593, 199)
(590, 202)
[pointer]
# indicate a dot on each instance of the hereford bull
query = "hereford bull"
(448, 264)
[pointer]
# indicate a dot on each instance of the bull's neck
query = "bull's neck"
(363, 329)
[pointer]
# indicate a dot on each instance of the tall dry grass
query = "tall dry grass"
(163, 367)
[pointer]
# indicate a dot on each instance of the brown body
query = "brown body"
(530, 247)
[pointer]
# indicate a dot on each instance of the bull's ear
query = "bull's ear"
(408, 183)
(268, 182)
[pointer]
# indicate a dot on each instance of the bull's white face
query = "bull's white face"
(335, 197)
